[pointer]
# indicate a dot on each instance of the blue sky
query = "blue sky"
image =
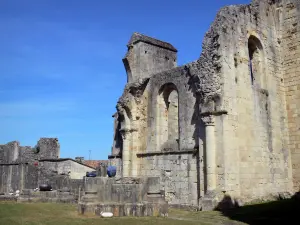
(61, 70)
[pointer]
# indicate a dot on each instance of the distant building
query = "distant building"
(23, 167)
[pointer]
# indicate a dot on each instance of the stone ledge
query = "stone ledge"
(166, 153)
(214, 113)
(69, 200)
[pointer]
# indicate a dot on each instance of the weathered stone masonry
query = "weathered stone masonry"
(223, 124)
(25, 168)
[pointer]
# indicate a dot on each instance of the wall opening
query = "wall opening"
(128, 70)
(256, 59)
(167, 118)
(124, 125)
(118, 141)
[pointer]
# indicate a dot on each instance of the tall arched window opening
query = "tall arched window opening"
(167, 118)
(256, 59)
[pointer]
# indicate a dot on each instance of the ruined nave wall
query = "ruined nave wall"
(289, 12)
(256, 161)
(169, 153)
(178, 174)
(160, 134)
(239, 82)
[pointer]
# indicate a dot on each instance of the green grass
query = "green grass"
(63, 214)
(278, 212)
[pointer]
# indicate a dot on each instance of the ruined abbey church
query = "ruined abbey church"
(225, 124)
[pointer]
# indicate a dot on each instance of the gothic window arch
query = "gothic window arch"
(256, 62)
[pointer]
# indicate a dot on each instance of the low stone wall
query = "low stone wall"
(123, 196)
(27, 176)
(4, 198)
(17, 176)
(126, 209)
(46, 196)
(24, 168)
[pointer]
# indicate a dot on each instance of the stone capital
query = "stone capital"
(208, 120)
(125, 133)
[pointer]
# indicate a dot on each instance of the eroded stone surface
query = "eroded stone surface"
(24, 167)
(246, 80)
(123, 197)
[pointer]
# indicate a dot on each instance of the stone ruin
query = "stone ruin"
(225, 125)
(123, 196)
(23, 168)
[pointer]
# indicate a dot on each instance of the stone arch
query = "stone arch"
(167, 122)
(256, 62)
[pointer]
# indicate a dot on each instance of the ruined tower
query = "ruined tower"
(225, 124)
(148, 56)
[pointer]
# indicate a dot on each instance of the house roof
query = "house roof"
(95, 163)
(65, 159)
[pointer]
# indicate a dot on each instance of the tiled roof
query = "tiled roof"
(95, 163)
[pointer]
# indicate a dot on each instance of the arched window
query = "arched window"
(128, 70)
(167, 118)
(256, 59)
(173, 115)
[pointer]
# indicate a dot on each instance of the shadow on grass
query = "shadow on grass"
(282, 211)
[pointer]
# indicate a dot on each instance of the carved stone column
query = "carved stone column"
(210, 152)
(125, 153)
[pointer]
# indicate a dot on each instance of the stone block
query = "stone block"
(153, 185)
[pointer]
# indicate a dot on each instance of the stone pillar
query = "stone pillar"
(125, 153)
(210, 153)
(134, 147)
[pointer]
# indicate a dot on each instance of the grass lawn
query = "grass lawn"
(63, 214)
(280, 212)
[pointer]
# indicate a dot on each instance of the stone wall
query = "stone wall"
(18, 177)
(27, 154)
(68, 167)
(237, 110)
(179, 176)
(30, 176)
(27, 176)
(26, 167)
(289, 17)
(128, 196)
(187, 120)
(148, 56)
(253, 133)
(172, 157)
(9, 152)
(48, 148)
(147, 127)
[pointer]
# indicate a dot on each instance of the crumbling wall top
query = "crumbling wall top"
(137, 37)
(48, 148)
